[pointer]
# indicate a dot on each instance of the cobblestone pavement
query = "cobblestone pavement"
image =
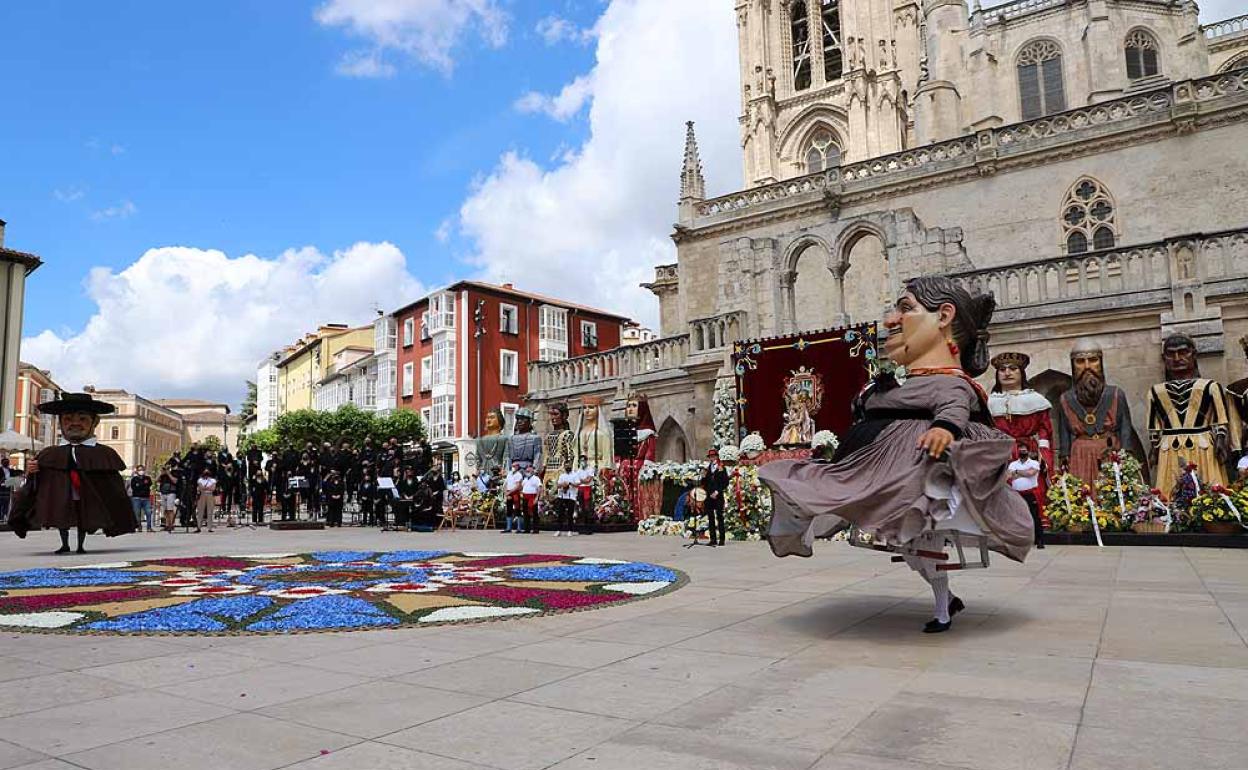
(1082, 658)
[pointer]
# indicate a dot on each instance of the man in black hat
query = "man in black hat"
(77, 484)
(715, 482)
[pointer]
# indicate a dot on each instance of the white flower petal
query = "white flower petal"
(41, 619)
(477, 554)
(264, 556)
(473, 612)
(637, 589)
(592, 560)
(108, 565)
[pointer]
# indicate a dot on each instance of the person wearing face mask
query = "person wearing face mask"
(77, 484)
(922, 464)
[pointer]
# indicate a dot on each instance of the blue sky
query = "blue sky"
(225, 125)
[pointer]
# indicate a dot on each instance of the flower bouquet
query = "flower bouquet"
(753, 445)
(747, 505)
(660, 525)
(824, 444)
(1218, 510)
(1066, 505)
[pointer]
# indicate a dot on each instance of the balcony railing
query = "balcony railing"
(1232, 26)
(1020, 8)
(707, 337)
(1121, 272)
(966, 151)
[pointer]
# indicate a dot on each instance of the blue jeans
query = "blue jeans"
(513, 523)
(142, 511)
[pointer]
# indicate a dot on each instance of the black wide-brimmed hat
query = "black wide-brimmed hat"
(69, 403)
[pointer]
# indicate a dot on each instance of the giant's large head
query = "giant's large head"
(1087, 368)
(1178, 352)
(558, 416)
(1011, 371)
(637, 409)
(495, 422)
(524, 421)
(79, 414)
(933, 312)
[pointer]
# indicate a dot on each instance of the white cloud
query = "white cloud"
(182, 321)
(555, 29)
(563, 105)
(592, 224)
(69, 194)
(424, 30)
(123, 210)
(445, 228)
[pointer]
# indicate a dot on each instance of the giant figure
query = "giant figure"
(492, 445)
(1023, 414)
(1093, 417)
(525, 447)
(1189, 419)
(593, 437)
(559, 445)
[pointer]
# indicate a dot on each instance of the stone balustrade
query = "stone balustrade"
(1233, 26)
(1103, 278)
(987, 145)
(1020, 8)
(709, 337)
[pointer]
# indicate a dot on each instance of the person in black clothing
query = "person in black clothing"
(258, 489)
(167, 486)
(331, 487)
(367, 494)
(305, 471)
(437, 495)
(287, 495)
(227, 486)
(141, 497)
(404, 507)
(715, 482)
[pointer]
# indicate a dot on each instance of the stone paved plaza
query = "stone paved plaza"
(1081, 659)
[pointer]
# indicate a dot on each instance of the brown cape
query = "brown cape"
(45, 500)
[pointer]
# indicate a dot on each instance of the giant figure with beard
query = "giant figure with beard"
(1093, 417)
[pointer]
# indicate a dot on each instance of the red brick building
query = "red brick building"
(450, 376)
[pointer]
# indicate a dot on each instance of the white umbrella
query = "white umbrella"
(12, 441)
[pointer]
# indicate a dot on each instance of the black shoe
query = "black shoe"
(721, 541)
(62, 549)
(955, 606)
(1040, 545)
(934, 626)
(81, 549)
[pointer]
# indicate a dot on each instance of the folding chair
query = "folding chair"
(960, 540)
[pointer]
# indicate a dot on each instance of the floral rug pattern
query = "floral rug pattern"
(321, 591)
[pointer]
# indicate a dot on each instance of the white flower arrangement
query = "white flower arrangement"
(825, 438)
(729, 453)
(660, 525)
(753, 445)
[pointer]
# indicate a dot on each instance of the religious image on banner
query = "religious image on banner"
(789, 387)
(803, 396)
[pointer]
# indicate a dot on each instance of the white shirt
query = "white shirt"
(206, 486)
(568, 482)
(532, 485)
(514, 480)
(1243, 464)
(1025, 483)
(585, 477)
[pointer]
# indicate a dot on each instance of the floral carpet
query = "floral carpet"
(321, 591)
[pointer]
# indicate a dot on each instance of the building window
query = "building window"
(822, 153)
(546, 355)
(509, 416)
(799, 21)
(508, 367)
(441, 312)
(1141, 49)
(115, 432)
(424, 325)
(409, 373)
(409, 332)
(553, 324)
(589, 334)
(426, 416)
(384, 336)
(830, 18)
(426, 373)
(508, 319)
(444, 362)
(1088, 217)
(1040, 88)
(442, 418)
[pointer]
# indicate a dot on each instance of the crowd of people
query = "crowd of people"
(387, 484)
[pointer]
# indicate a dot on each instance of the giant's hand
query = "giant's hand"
(935, 441)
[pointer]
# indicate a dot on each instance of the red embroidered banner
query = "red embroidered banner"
(789, 387)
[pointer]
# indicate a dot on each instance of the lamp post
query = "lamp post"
(478, 319)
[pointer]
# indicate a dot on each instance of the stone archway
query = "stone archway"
(866, 275)
(815, 293)
(1051, 384)
(672, 444)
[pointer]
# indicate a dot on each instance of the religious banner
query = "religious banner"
(788, 388)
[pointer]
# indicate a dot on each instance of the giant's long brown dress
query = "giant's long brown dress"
(46, 499)
(883, 483)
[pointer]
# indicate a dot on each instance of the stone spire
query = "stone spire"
(692, 185)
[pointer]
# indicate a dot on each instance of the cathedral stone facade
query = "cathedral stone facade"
(1082, 160)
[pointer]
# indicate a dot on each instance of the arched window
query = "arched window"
(830, 18)
(1141, 49)
(1234, 63)
(822, 152)
(1040, 88)
(1088, 217)
(799, 20)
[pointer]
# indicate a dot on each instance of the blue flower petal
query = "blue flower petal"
(632, 572)
(336, 556)
(67, 578)
(398, 556)
(324, 612)
(200, 615)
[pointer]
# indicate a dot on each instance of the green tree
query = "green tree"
(249, 403)
(300, 426)
(265, 440)
(404, 424)
(211, 444)
(349, 422)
